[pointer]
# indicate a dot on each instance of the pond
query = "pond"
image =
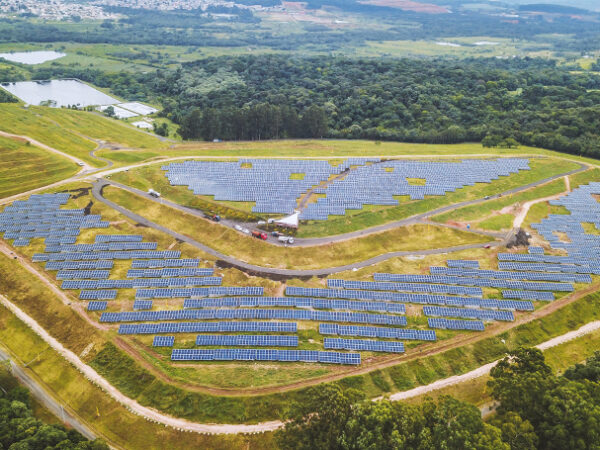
(58, 93)
(38, 57)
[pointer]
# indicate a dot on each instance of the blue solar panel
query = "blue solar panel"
(363, 345)
(297, 302)
(208, 327)
(378, 332)
(142, 304)
(467, 313)
(97, 306)
(163, 341)
(247, 340)
(264, 355)
(233, 314)
(456, 324)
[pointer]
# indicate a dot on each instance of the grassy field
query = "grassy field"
(493, 208)
(66, 130)
(255, 251)
(24, 167)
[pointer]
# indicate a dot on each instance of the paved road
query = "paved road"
(269, 271)
(41, 395)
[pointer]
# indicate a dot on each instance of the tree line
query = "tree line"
(536, 410)
(500, 102)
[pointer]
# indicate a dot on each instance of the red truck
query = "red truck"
(259, 235)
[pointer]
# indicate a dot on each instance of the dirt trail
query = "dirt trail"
(527, 205)
(484, 370)
(84, 166)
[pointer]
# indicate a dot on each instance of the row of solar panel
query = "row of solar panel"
(169, 272)
(101, 247)
(363, 345)
(139, 282)
(399, 282)
(455, 324)
(520, 275)
(296, 302)
(208, 327)
(468, 313)
(265, 355)
(159, 263)
(221, 291)
(134, 254)
(404, 287)
(388, 333)
(285, 314)
(247, 340)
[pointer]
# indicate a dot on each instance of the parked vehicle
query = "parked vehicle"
(275, 233)
(238, 227)
(245, 231)
(153, 193)
(261, 222)
(215, 218)
(259, 235)
(286, 239)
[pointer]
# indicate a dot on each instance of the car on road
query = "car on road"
(80, 164)
(215, 218)
(245, 231)
(286, 239)
(487, 246)
(238, 228)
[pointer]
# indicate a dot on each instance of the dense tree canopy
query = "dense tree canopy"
(537, 410)
(20, 430)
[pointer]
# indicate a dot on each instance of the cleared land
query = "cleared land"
(24, 167)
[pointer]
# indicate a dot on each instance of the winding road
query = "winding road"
(269, 271)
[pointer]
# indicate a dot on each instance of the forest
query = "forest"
(532, 101)
(20, 430)
(536, 410)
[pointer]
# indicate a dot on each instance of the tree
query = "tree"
(589, 371)
(110, 111)
(314, 122)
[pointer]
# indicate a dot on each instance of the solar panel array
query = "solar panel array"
(379, 332)
(159, 263)
(199, 292)
(481, 314)
(247, 340)
(41, 217)
(267, 182)
(405, 287)
(295, 302)
(455, 324)
(100, 238)
(270, 184)
(520, 275)
(140, 283)
(363, 345)
(207, 327)
(142, 304)
(79, 265)
(169, 272)
(265, 355)
(463, 280)
(97, 306)
(463, 263)
(105, 294)
(163, 341)
(378, 184)
(237, 314)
